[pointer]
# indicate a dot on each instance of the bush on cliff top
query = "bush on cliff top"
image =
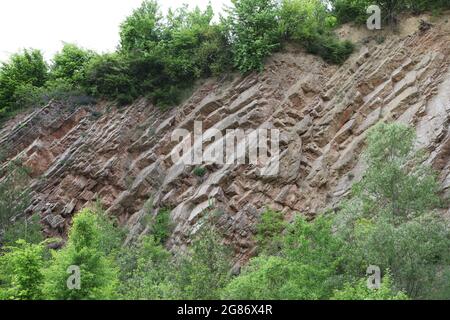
(162, 56)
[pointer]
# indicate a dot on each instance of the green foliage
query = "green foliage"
(141, 28)
(304, 269)
(111, 236)
(148, 271)
(69, 64)
(255, 33)
(27, 95)
(26, 81)
(21, 275)
(204, 270)
(200, 171)
(310, 23)
(277, 278)
(269, 231)
(396, 181)
(108, 76)
(26, 69)
(14, 195)
(355, 10)
(161, 227)
(416, 252)
(330, 48)
(351, 10)
(360, 291)
(389, 221)
(418, 6)
(163, 57)
(28, 229)
(83, 249)
(269, 278)
(145, 270)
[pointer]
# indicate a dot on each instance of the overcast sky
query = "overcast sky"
(92, 24)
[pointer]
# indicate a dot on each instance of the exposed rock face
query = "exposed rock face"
(123, 156)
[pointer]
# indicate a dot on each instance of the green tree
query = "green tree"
(351, 10)
(396, 181)
(254, 32)
(21, 275)
(310, 23)
(26, 68)
(269, 231)
(142, 29)
(419, 6)
(304, 270)
(165, 56)
(108, 76)
(389, 219)
(416, 252)
(14, 194)
(161, 227)
(145, 270)
(26, 228)
(69, 64)
(111, 235)
(361, 291)
(83, 249)
(204, 270)
(270, 278)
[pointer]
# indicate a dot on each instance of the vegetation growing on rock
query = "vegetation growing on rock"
(323, 259)
(390, 217)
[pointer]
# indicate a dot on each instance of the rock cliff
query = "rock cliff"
(121, 156)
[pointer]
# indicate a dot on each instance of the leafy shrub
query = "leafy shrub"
(28, 229)
(199, 171)
(360, 291)
(124, 99)
(415, 251)
(396, 181)
(14, 195)
(21, 275)
(27, 95)
(69, 65)
(161, 227)
(418, 6)
(268, 278)
(165, 56)
(83, 249)
(351, 10)
(301, 19)
(355, 10)
(145, 268)
(304, 268)
(107, 76)
(141, 28)
(389, 221)
(330, 48)
(269, 231)
(203, 271)
(26, 69)
(254, 32)
(66, 93)
(309, 23)
(111, 235)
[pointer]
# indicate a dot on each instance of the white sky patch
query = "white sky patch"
(92, 24)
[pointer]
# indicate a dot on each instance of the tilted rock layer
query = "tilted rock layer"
(122, 156)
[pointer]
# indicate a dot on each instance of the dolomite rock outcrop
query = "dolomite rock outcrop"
(122, 156)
